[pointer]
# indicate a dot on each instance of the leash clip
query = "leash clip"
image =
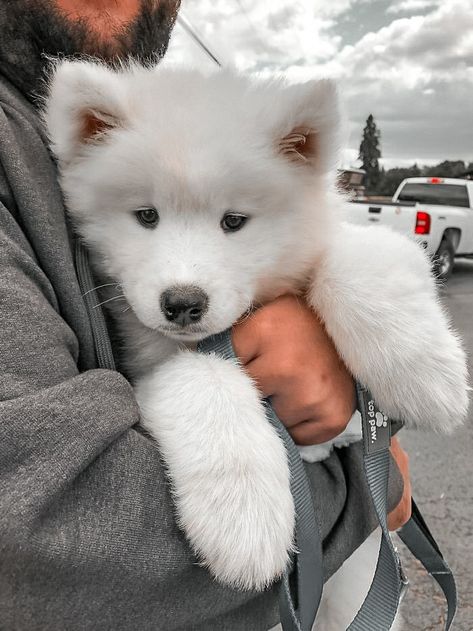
(402, 576)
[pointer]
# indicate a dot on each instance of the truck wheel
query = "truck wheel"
(444, 260)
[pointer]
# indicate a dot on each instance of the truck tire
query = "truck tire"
(444, 260)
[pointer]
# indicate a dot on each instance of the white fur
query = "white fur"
(194, 147)
(232, 497)
(378, 299)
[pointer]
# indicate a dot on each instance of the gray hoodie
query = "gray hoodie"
(88, 538)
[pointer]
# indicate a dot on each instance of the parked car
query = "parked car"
(438, 212)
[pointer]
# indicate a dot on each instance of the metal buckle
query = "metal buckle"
(402, 577)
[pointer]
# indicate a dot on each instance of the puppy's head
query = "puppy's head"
(198, 194)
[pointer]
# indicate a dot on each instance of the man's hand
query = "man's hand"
(285, 349)
(402, 513)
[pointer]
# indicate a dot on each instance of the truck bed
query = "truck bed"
(374, 203)
(399, 216)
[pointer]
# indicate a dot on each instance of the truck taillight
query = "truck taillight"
(422, 223)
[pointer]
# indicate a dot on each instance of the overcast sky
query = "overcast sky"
(408, 62)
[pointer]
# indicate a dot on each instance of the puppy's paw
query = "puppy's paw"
(376, 295)
(227, 466)
(240, 524)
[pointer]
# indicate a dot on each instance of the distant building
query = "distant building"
(468, 175)
(351, 180)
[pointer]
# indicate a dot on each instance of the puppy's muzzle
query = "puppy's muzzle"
(184, 304)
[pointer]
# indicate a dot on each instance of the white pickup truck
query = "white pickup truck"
(438, 212)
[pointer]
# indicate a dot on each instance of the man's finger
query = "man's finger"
(260, 370)
(311, 433)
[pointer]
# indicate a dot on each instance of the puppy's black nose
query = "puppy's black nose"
(184, 304)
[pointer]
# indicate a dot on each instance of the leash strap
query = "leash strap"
(418, 538)
(389, 583)
(380, 606)
(103, 348)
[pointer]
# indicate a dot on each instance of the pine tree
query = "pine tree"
(370, 152)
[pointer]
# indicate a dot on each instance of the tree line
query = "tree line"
(380, 181)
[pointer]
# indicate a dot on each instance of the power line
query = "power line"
(192, 33)
(245, 13)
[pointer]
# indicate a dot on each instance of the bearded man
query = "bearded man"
(88, 538)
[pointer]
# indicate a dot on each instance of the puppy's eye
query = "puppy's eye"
(147, 216)
(231, 222)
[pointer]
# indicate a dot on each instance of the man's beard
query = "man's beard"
(34, 30)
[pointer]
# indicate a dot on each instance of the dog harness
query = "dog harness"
(302, 584)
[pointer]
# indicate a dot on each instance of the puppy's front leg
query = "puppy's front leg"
(226, 464)
(376, 295)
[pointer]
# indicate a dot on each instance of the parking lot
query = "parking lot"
(442, 473)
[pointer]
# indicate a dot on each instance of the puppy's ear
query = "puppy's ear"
(308, 127)
(299, 145)
(85, 103)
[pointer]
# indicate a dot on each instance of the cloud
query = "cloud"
(412, 6)
(263, 34)
(415, 73)
(416, 76)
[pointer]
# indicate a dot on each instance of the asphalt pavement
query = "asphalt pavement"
(442, 475)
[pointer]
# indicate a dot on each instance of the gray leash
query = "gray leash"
(380, 606)
(389, 584)
(298, 614)
(418, 538)
(103, 348)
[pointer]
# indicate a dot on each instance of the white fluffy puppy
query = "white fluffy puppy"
(199, 197)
